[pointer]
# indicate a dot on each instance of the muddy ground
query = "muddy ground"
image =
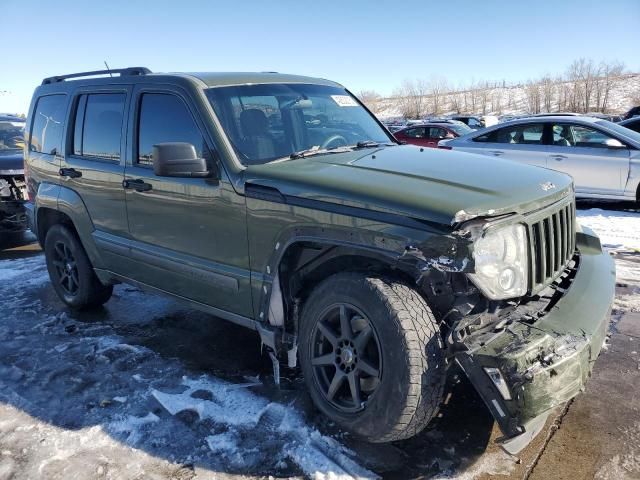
(146, 388)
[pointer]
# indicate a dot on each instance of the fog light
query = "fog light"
(498, 380)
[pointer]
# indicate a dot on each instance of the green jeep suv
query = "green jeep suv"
(280, 203)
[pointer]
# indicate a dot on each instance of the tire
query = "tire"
(71, 272)
(397, 375)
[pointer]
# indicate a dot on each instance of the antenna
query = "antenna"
(107, 65)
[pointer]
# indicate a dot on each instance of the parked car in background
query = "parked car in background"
(632, 123)
(373, 264)
(471, 121)
(602, 157)
(12, 185)
(633, 112)
(429, 134)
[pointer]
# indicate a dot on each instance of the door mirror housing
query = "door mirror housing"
(178, 159)
(615, 143)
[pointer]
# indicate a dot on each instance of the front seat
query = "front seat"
(258, 143)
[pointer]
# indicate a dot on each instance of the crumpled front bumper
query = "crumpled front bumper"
(547, 362)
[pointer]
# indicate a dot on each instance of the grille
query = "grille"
(552, 244)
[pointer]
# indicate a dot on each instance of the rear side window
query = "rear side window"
(48, 123)
(165, 118)
(98, 125)
(417, 132)
(436, 132)
(530, 134)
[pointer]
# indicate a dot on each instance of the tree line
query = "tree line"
(585, 86)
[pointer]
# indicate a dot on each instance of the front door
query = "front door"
(583, 153)
(188, 235)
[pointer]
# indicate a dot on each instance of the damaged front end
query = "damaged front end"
(12, 199)
(532, 352)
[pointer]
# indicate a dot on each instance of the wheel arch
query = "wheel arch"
(58, 204)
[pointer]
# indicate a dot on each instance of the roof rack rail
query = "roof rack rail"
(123, 72)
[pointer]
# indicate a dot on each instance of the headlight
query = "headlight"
(501, 262)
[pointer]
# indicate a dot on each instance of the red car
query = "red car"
(429, 134)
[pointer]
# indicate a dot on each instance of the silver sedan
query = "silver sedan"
(602, 157)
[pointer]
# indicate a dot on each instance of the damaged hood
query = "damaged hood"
(11, 162)
(441, 186)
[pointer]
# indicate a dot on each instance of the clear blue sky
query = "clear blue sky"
(362, 44)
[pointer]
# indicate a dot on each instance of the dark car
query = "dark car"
(12, 185)
(280, 203)
(633, 112)
(429, 134)
(473, 122)
(632, 123)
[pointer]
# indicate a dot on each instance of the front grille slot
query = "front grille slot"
(552, 243)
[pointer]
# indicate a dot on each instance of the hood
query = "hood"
(443, 186)
(11, 163)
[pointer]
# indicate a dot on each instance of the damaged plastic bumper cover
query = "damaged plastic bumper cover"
(547, 362)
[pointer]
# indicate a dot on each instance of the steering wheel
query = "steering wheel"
(339, 140)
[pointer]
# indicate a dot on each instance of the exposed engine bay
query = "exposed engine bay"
(12, 197)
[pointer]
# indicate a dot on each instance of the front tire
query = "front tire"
(372, 356)
(71, 272)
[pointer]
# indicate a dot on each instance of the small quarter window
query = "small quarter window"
(48, 124)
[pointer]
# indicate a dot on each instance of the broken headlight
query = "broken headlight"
(501, 262)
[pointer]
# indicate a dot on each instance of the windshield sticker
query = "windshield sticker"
(344, 101)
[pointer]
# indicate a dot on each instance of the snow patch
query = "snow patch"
(133, 428)
(617, 230)
(318, 456)
(491, 464)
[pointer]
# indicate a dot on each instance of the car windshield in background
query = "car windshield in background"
(272, 121)
(461, 129)
(11, 135)
(619, 129)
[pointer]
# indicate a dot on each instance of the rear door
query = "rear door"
(188, 235)
(94, 165)
(582, 152)
(521, 143)
(415, 136)
(435, 134)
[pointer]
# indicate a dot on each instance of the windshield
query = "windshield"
(272, 121)
(11, 134)
(621, 130)
(461, 128)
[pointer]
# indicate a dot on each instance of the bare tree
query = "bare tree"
(371, 99)
(437, 89)
(412, 96)
(533, 96)
(610, 74)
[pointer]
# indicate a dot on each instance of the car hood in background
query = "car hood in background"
(11, 162)
(442, 186)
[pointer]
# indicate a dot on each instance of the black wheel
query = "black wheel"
(372, 356)
(71, 272)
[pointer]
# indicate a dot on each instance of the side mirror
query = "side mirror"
(178, 159)
(614, 143)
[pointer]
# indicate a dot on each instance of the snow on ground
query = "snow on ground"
(618, 230)
(78, 401)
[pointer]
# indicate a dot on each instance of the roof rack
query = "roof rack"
(123, 72)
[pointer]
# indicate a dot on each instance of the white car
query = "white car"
(602, 157)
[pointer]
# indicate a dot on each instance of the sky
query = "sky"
(365, 45)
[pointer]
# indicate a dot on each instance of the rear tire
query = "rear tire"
(71, 272)
(388, 386)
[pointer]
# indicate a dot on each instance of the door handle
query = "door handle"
(69, 172)
(496, 153)
(559, 158)
(138, 185)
